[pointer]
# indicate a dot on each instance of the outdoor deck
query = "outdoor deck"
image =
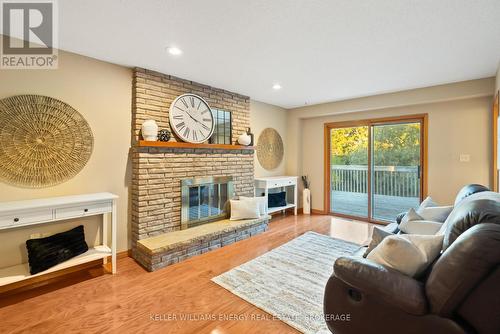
(385, 207)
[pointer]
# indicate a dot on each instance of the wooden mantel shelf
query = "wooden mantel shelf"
(173, 144)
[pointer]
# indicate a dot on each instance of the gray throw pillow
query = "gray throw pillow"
(378, 235)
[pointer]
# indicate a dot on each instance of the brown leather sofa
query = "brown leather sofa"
(460, 292)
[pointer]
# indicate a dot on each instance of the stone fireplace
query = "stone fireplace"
(206, 176)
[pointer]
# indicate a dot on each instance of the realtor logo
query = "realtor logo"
(29, 34)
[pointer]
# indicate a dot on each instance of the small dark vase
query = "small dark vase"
(251, 136)
(164, 135)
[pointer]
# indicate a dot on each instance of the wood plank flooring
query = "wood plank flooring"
(136, 301)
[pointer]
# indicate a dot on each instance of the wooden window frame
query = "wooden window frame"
(496, 102)
(421, 118)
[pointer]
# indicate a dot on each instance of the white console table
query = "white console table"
(284, 183)
(22, 214)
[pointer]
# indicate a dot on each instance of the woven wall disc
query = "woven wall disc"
(43, 141)
(270, 149)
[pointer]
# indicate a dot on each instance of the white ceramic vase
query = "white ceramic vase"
(306, 201)
(244, 139)
(150, 130)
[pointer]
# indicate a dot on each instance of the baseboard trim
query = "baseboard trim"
(300, 211)
(287, 211)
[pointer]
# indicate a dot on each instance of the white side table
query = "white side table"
(22, 214)
(283, 183)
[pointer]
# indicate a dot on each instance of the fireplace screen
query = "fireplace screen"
(205, 199)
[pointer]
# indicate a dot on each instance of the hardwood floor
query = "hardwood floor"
(136, 301)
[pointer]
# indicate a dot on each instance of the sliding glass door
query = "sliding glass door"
(349, 170)
(375, 167)
(395, 169)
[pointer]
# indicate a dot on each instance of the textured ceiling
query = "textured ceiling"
(318, 51)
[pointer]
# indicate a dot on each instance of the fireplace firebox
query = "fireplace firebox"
(205, 199)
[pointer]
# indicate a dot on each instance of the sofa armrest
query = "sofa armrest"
(387, 284)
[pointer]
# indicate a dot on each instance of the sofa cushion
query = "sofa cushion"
(407, 253)
(422, 227)
(457, 272)
(414, 223)
(468, 190)
(435, 213)
(411, 215)
(378, 234)
(475, 209)
(428, 202)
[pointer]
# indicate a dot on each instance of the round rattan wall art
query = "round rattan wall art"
(43, 141)
(270, 149)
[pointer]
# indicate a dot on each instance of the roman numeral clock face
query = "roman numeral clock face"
(191, 118)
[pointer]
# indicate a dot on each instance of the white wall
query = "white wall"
(456, 127)
(497, 84)
(459, 122)
(262, 116)
(102, 93)
(497, 88)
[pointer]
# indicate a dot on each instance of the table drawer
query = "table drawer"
(280, 183)
(83, 210)
(26, 218)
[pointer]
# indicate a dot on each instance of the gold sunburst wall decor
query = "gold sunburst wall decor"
(270, 149)
(43, 141)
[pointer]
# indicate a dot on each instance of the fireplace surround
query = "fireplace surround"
(158, 232)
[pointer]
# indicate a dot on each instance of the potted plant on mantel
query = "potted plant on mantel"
(306, 196)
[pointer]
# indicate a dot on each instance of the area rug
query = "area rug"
(289, 281)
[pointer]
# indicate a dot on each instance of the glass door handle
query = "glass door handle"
(418, 172)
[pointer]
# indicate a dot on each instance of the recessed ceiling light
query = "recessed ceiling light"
(174, 51)
(276, 86)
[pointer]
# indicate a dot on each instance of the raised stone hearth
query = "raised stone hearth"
(157, 172)
(169, 248)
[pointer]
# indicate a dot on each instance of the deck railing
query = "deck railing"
(402, 181)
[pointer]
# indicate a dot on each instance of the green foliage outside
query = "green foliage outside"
(394, 145)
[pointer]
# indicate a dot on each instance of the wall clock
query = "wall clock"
(191, 118)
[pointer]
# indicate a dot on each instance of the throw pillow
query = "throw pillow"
(409, 254)
(378, 234)
(260, 200)
(44, 253)
(413, 223)
(436, 213)
(244, 210)
(277, 199)
(422, 227)
(427, 203)
(410, 215)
